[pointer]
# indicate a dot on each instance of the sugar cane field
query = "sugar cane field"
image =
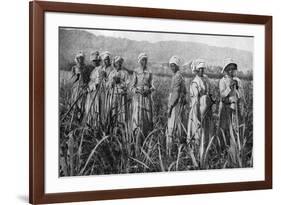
(87, 149)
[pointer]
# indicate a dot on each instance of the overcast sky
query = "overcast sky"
(244, 43)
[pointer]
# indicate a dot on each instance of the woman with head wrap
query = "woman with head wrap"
(117, 84)
(142, 88)
(106, 62)
(80, 78)
(177, 101)
(90, 106)
(200, 126)
(95, 59)
(231, 95)
(97, 87)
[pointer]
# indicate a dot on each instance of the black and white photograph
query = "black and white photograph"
(133, 101)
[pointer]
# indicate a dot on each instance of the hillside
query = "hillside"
(72, 41)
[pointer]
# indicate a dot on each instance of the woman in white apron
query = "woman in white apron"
(200, 123)
(177, 101)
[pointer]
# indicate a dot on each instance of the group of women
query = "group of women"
(101, 95)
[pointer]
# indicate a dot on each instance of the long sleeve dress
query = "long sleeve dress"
(229, 108)
(107, 107)
(241, 100)
(200, 126)
(142, 117)
(117, 85)
(95, 99)
(176, 104)
(80, 78)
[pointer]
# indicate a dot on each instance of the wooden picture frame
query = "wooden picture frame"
(37, 98)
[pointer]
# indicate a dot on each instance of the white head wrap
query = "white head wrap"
(79, 55)
(176, 60)
(105, 55)
(141, 56)
(227, 62)
(198, 63)
(117, 59)
(95, 56)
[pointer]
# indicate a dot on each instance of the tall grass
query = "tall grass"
(111, 148)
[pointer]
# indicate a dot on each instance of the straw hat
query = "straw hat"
(227, 62)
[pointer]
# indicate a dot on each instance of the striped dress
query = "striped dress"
(142, 117)
(200, 123)
(177, 101)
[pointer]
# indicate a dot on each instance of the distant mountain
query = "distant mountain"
(72, 41)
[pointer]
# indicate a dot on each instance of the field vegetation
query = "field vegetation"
(85, 151)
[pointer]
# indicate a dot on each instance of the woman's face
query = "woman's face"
(106, 61)
(119, 64)
(80, 60)
(231, 70)
(174, 68)
(201, 72)
(143, 62)
(95, 63)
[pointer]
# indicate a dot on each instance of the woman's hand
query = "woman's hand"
(116, 79)
(138, 91)
(146, 92)
(234, 84)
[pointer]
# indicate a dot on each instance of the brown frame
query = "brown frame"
(37, 95)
